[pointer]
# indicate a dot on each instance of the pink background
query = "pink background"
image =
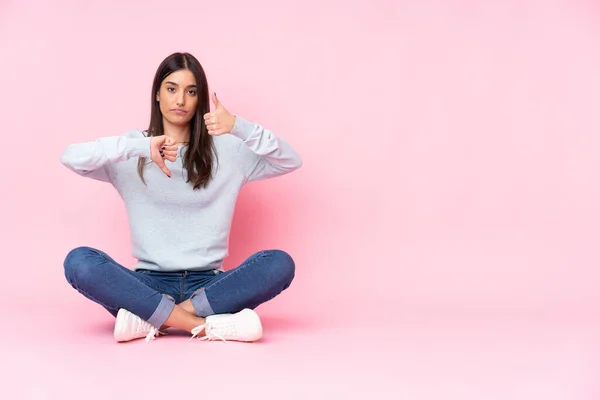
(445, 223)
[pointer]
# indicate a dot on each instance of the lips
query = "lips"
(179, 111)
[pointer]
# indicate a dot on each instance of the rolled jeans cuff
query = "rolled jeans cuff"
(162, 312)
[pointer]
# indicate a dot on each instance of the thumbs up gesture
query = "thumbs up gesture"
(220, 121)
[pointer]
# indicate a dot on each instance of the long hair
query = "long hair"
(198, 159)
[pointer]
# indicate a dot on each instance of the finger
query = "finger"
(161, 164)
(171, 158)
(164, 169)
(162, 138)
(169, 141)
(169, 148)
(168, 153)
(212, 128)
(215, 100)
(207, 116)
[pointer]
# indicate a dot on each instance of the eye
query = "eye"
(193, 92)
(171, 89)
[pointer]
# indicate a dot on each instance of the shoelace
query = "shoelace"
(153, 334)
(209, 333)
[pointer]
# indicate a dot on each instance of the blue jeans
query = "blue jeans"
(152, 295)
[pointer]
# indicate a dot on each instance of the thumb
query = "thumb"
(164, 169)
(161, 164)
(216, 101)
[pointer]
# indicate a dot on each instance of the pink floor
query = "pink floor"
(72, 355)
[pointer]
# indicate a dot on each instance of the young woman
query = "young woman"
(179, 181)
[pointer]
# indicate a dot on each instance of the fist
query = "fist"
(220, 121)
(163, 148)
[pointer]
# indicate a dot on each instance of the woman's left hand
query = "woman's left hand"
(220, 121)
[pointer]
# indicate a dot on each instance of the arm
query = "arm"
(263, 155)
(93, 159)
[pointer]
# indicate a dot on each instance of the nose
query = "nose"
(180, 98)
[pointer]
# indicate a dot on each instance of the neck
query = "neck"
(181, 134)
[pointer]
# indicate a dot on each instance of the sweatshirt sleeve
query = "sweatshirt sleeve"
(94, 159)
(262, 154)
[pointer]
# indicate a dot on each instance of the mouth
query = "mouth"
(179, 111)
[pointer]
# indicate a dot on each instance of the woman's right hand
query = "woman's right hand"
(163, 148)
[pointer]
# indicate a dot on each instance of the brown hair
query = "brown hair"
(198, 159)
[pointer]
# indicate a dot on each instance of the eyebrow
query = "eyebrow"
(174, 84)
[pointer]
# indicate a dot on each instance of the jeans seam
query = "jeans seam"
(182, 287)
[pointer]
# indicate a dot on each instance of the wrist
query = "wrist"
(232, 123)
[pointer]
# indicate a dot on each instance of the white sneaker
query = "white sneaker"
(243, 326)
(129, 326)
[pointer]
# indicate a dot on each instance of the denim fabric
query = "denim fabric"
(152, 295)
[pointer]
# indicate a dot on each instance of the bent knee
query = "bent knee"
(77, 256)
(78, 264)
(283, 266)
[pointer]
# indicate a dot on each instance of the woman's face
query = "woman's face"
(178, 97)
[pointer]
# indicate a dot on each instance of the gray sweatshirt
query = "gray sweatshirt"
(174, 227)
